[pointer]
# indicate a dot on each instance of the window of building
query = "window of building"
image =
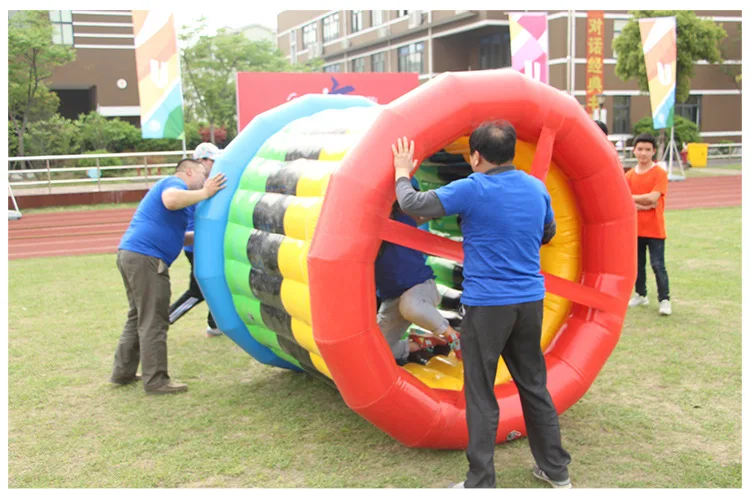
(332, 68)
(376, 17)
(62, 26)
(621, 116)
(378, 62)
(309, 35)
(402, 13)
(617, 26)
(411, 58)
(330, 27)
(690, 109)
(494, 50)
(358, 65)
(356, 20)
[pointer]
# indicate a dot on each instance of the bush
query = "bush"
(685, 131)
(91, 162)
(54, 136)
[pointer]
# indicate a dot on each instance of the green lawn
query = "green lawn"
(664, 412)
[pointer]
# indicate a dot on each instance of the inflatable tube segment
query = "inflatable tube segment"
(286, 253)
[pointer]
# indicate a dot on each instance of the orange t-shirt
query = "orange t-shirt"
(650, 222)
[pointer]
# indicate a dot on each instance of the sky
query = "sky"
(226, 17)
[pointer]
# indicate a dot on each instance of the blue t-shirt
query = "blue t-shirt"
(154, 230)
(502, 220)
(190, 224)
(398, 268)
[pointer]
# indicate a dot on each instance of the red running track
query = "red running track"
(98, 232)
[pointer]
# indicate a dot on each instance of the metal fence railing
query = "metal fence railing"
(104, 168)
(718, 151)
(107, 168)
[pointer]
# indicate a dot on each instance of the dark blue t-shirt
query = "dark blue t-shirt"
(398, 268)
(154, 230)
(502, 221)
(190, 224)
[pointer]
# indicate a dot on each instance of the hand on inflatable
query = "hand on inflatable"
(214, 184)
(403, 155)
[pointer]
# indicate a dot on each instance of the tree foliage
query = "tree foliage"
(697, 39)
(210, 65)
(32, 57)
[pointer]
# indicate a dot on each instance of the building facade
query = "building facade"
(431, 42)
(103, 76)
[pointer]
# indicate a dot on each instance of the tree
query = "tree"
(697, 39)
(32, 57)
(733, 71)
(209, 67)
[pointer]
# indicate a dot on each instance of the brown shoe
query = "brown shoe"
(125, 382)
(168, 389)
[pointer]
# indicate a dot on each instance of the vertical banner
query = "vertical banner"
(529, 44)
(659, 38)
(158, 65)
(594, 59)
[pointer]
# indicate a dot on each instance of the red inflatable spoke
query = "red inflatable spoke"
(582, 295)
(421, 240)
(543, 155)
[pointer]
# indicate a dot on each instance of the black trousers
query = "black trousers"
(513, 331)
(656, 256)
(193, 296)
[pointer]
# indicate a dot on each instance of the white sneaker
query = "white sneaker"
(213, 332)
(537, 472)
(665, 307)
(638, 300)
(458, 485)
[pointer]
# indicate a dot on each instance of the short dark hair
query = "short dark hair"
(495, 141)
(603, 127)
(645, 138)
(183, 164)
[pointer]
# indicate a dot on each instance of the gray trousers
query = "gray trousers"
(417, 305)
(144, 337)
(513, 331)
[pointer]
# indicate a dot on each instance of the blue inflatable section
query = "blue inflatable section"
(212, 215)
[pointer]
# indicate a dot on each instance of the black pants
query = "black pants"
(513, 331)
(656, 256)
(189, 299)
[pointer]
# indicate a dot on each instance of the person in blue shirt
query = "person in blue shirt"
(206, 153)
(151, 243)
(506, 216)
(408, 294)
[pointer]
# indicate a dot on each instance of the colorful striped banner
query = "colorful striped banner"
(158, 65)
(529, 44)
(659, 38)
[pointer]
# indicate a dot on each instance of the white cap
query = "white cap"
(206, 150)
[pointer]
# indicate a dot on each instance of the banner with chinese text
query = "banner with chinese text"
(594, 59)
(659, 38)
(529, 44)
(158, 67)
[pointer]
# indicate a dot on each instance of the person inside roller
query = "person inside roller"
(408, 294)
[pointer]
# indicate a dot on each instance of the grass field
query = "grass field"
(664, 412)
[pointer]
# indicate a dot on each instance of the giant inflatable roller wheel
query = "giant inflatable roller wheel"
(285, 254)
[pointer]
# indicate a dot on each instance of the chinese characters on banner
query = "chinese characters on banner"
(529, 44)
(594, 58)
(659, 38)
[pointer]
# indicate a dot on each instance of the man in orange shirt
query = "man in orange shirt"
(648, 184)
